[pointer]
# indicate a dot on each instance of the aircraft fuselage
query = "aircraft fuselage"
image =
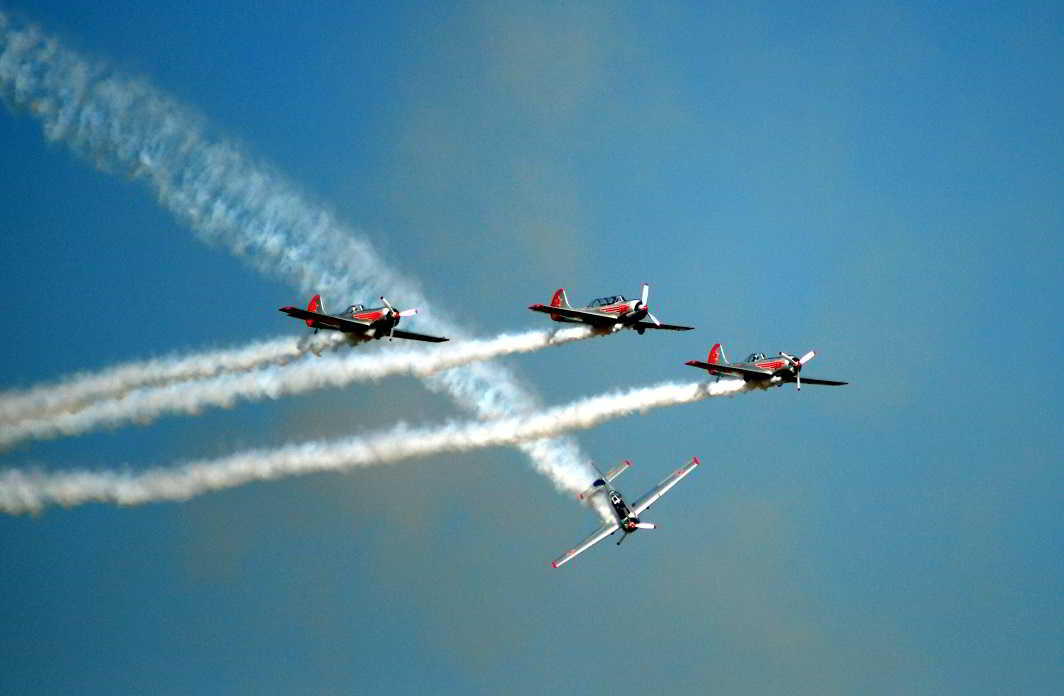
(624, 313)
(628, 522)
(380, 321)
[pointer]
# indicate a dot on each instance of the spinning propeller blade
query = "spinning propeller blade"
(643, 304)
(798, 363)
(393, 312)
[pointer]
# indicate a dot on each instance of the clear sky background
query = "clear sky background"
(878, 181)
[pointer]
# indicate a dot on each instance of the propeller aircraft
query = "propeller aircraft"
(360, 322)
(610, 313)
(770, 372)
(626, 517)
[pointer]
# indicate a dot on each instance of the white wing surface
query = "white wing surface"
(601, 533)
(663, 487)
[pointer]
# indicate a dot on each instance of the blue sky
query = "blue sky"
(879, 182)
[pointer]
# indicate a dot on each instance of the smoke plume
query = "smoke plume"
(143, 406)
(22, 491)
(128, 127)
(78, 391)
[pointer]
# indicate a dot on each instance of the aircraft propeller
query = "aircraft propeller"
(643, 304)
(632, 524)
(392, 312)
(797, 364)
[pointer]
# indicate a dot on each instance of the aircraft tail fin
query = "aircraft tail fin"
(316, 305)
(559, 300)
(716, 355)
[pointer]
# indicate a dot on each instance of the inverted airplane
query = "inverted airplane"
(770, 372)
(626, 518)
(610, 313)
(360, 322)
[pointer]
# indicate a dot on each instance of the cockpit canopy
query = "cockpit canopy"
(354, 308)
(754, 357)
(606, 301)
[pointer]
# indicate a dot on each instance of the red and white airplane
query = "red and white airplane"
(626, 518)
(770, 372)
(358, 321)
(610, 313)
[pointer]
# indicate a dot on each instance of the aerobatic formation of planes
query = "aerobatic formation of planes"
(605, 315)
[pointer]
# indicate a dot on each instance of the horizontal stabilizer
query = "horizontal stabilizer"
(609, 476)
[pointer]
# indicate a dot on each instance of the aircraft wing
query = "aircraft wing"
(745, 372)
(663, 487)
(327, 320)
(664, 327)
(813, 380)
(577, 314)
(399, 333)
(601, 533)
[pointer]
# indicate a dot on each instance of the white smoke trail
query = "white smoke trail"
(22, 491)
(128, 127)
(145, 405)
(74, 393)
